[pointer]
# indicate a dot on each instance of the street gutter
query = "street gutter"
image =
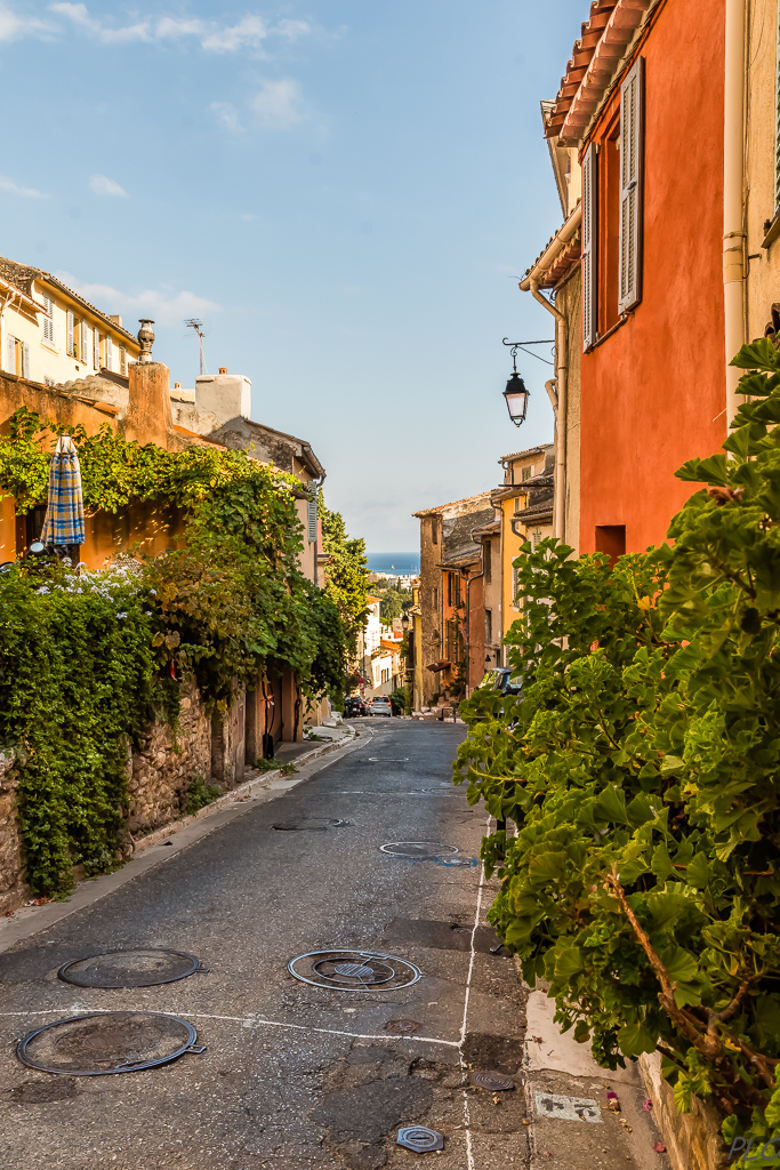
(168, 841)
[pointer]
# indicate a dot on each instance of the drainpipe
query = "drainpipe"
(557, 394)
(469, 582)
(734, 234)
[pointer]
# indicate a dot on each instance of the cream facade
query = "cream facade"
(762, 169)
(51, 335)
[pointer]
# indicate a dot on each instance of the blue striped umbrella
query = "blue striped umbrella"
(64, 523)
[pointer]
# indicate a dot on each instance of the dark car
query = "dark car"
(354, 706)
(381, 705)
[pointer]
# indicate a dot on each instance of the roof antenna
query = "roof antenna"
(194, 323)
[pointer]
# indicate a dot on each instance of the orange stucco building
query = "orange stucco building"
(642, 101)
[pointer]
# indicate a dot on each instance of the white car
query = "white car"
(380, 705)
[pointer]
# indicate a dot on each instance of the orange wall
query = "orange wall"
(653, 393)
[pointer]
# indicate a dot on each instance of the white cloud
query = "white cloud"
(165, 305)
(25, 192)
(248, 33)
(227, 116)
(278, 103)
(14, 27)
(102, 185)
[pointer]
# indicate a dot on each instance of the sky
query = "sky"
(345, 192)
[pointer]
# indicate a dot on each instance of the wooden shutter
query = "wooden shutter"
(311, 520)
(69, 331)
(631, 152)
(48, 319)
(10, 354)
(122, 360)
(84, 334)
(109, 353)
(25, 360)
(589, 246)
(96, 349)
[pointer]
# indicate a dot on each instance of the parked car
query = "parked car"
(380, 705)
(354, 705)
(501, 678)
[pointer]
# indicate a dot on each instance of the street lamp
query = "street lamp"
(516, 394)
(405, 622)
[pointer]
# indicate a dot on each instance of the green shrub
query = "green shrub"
(641, 768)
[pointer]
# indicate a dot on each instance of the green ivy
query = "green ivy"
(640, 768)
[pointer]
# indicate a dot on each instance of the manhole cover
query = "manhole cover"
(420, 1139)
(418, 850)
(494, 1082)
(310, 824)
(402, 1027)
(145, 967)
(457, 862)
(346, 970)
(107, 1042)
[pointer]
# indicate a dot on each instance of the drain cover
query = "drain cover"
(494, 1082)
(311, 824)
(345, 970)
(420, 1139)
(402, 1027)
(146, 967)
(107, 1042)
(457, 862)
(418, 850)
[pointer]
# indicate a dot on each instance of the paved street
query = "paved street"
(294, 1075)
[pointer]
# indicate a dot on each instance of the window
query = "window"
(488, 626)
(48, 319)
(108, 357)
(17, 356)
(487, 567)
(123, 371)
(96, 349)
(515, 588)
(612, 214)
(455, 578)
(526, 473)
(435, 597)
(70, 333)
(83, 342)
(434, 531)
(611, 539)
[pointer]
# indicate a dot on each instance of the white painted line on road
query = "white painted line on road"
(250, 1021)
(466, 1110)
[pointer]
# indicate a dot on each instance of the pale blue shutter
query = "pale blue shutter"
(631, 150)
(311, 520)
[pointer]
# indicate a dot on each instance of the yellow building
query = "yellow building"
(524, 503)
(51, 335)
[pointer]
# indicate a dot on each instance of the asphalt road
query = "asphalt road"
(293, 1076)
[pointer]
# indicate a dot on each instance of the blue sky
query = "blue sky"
(346, 193)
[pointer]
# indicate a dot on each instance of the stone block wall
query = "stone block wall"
(162, 769)
(693, 1140)
(13, 890)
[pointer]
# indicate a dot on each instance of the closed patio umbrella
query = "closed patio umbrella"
(64, 523)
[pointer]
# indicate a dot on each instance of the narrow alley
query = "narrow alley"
(376, 852)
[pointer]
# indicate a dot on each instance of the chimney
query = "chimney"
(148, 418)
(116, 319)
(223, 395)
(223, 369)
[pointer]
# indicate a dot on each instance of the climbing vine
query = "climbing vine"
(84, 661)
(640, 768)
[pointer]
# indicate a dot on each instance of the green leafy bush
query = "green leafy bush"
(641, 770)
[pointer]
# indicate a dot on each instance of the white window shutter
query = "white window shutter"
(69, 329)
(109, 353)
(122, 360)
(631, 152)
(10, 354)
(25, 360)
(311, 520)
(84, 335)
(48, 320)
(96, 349)
(589, 247)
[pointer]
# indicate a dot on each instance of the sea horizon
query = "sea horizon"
(405, 564)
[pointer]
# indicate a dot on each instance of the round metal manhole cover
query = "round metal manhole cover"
(418, 850)
(457, 862)
(310, 824)
(144, 967)
(402, 1027)
(102, 1043)
(347, 970)
(494, 1082)
(420, 1139)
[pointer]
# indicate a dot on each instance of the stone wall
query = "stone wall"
(13, 890)
(693, 1140)
(166, 763)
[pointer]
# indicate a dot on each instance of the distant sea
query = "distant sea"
(405, 564)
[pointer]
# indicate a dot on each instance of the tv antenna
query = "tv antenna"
(197, 325)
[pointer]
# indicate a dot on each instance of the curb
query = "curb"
(166, 842)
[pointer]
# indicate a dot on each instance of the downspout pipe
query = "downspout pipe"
(734, 233)
(558, 399)
(470, 580)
